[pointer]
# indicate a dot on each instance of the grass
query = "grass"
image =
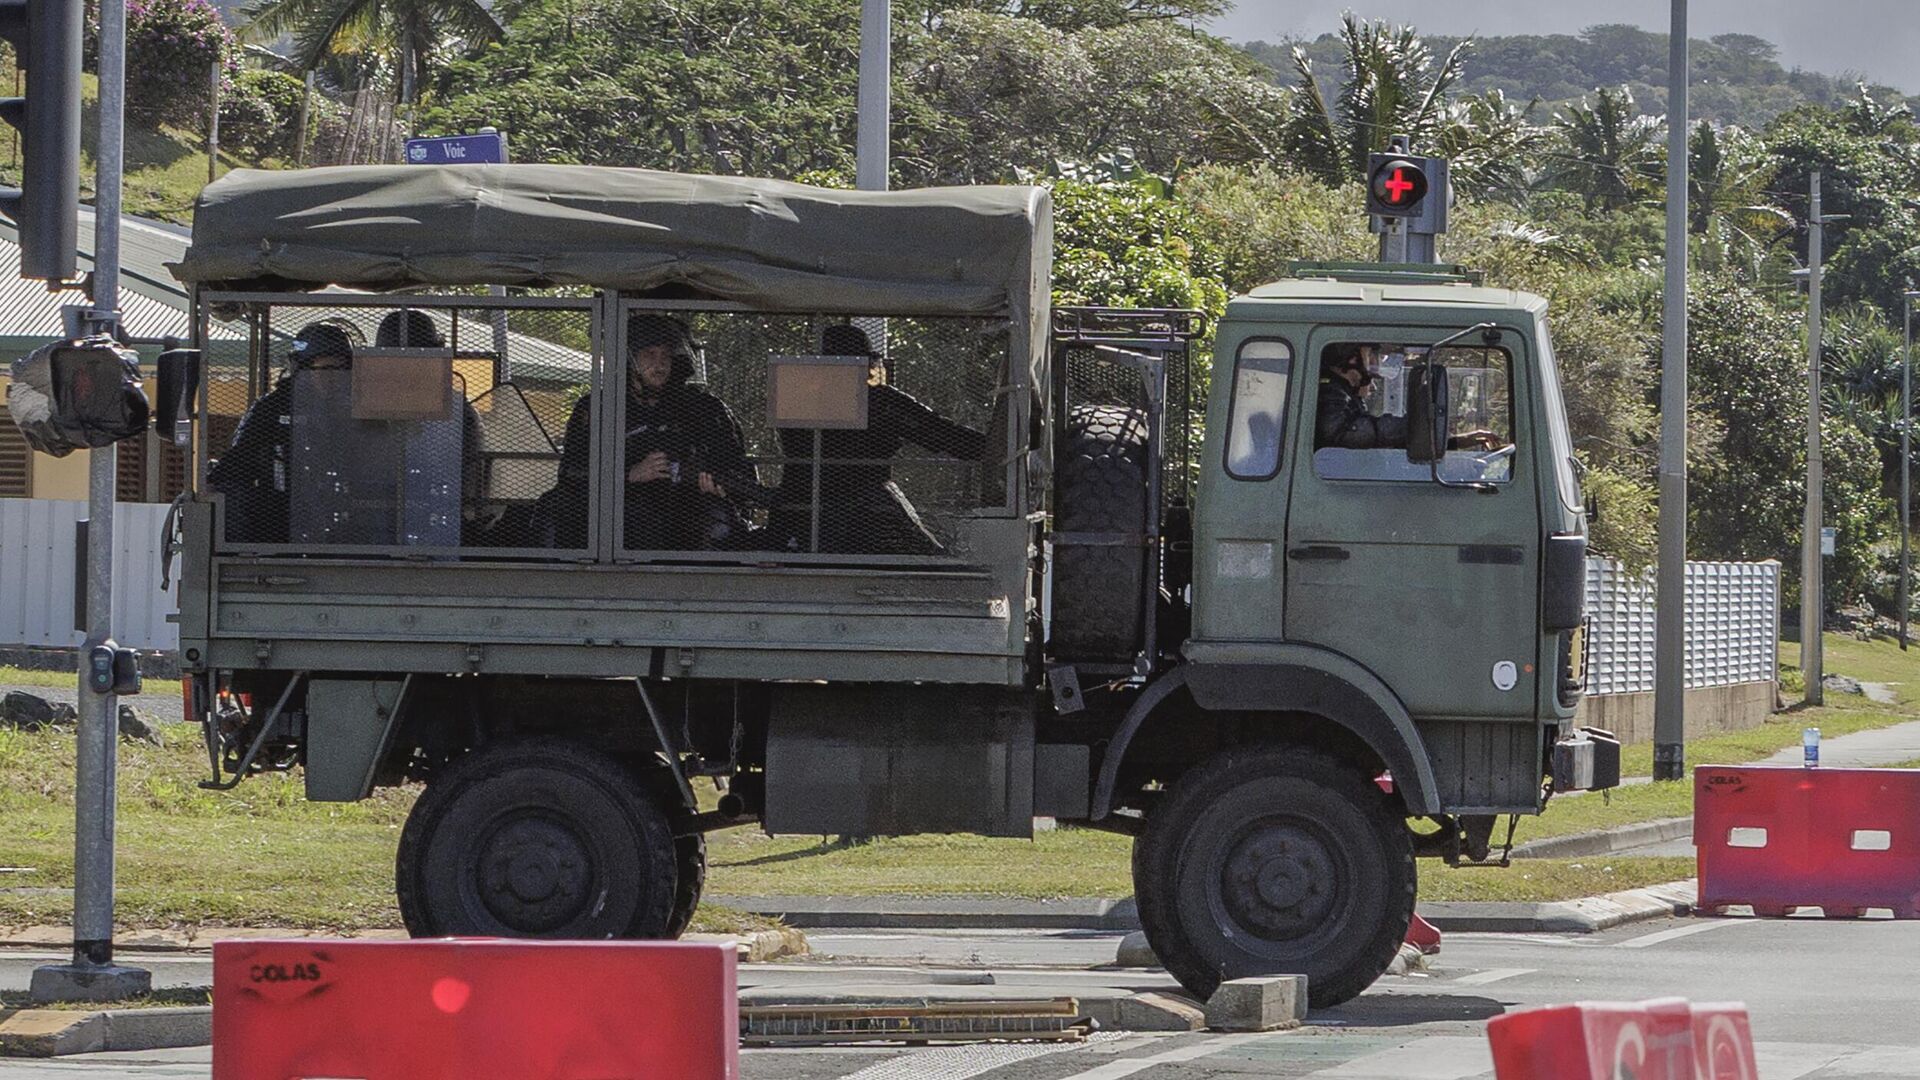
(66, 680)
(1084, 863)
(260, 855)
(170, 998)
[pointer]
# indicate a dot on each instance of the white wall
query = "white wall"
(37, 575)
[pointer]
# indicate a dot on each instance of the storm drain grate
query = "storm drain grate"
(1049, 1020)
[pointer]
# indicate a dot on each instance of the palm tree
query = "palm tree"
(1607, 153)
(405, 33)
(1728, 174)
(1490, 143)
(1391, 88)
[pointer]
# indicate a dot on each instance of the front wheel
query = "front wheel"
(537, 839)
(1275, 860)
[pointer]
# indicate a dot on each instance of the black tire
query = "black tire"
(1100, 486)
(1275, 860)
(537, 839)
(690, 879)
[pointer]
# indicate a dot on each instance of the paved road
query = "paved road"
(1829, 1001)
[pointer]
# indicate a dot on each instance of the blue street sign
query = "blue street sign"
(487, 148)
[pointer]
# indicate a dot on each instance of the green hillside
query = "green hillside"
(1738, 78)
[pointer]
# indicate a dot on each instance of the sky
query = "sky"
(1877, 38)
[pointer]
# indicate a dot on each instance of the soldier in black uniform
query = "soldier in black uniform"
(862, 511)
(1343, 420)
(686, 470)
(252, 472)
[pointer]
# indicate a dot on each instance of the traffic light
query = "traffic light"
(1396, 185)
(45, 35)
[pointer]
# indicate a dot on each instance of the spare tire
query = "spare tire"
(1100, 486)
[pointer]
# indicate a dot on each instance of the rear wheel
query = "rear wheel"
(537, 839)
(1275, 860)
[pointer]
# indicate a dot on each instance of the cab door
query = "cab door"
(1240, 523)
(1430, 583)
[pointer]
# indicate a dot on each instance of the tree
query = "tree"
(406, 34)
(1606, 152)
(1390, 87)
(990, 97)
(1729, 205)
(708, 86)
(1748, 373)
(1080, 14)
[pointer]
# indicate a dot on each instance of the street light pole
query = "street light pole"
(875, 100)
(1812, 587)
(1906, 460)
(1670, 586)
(92, 975)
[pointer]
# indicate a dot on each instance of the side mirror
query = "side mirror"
(1427, 413)
(1593, 510)
(177, 375)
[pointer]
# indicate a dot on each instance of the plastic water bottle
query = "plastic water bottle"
(1810, 743)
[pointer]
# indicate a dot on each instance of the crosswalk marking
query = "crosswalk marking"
(1646, 940)
(1436, 1057)
(1482, 978)
(1118, 1070)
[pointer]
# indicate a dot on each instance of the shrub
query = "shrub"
(260, 117)
(172, 46)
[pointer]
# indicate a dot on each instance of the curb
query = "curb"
(757, 947)
(58, 1032)
(1607, 841)
(939, 913)
(1585, 916)
(1582, 916)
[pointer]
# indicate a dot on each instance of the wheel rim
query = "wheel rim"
(534, 872)
(1280, 884)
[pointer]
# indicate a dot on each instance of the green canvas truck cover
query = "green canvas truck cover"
(767, 244)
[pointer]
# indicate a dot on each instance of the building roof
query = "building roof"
(151, 304)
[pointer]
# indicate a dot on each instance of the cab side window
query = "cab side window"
(1361, 413)
(1261, 373)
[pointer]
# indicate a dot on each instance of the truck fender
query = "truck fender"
(1295, 678)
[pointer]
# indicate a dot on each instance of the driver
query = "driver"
(1346, 382)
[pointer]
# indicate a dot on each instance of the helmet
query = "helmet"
(320, 341)
(647, 328)
(409, 328)
(846, 340)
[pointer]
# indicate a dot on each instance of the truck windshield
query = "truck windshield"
(1566, 478)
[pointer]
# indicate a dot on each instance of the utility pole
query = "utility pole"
(1670, 586)
(93, 976)
(876, 99)
(1906, 461)
(1812, 572)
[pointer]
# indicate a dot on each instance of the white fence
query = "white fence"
(37, 575)
(1733, 626)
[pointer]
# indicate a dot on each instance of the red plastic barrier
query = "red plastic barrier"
(506, 1010)
(1665, 1039)
(1723, 1043)
(1781, 837)
(1424, 936)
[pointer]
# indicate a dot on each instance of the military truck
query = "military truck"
(1154, 597)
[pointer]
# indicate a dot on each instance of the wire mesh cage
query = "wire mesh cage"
(812, 435)
(450, 426)
(429, 425)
